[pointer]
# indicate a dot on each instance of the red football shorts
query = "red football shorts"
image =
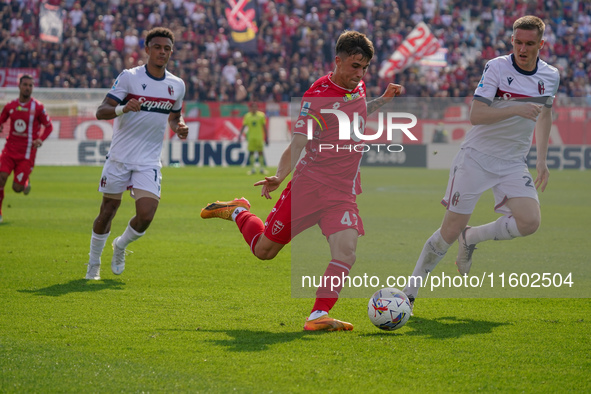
(304, 203)
(22, 168)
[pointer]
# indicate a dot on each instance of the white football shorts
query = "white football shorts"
(118, 177)
(472, 173)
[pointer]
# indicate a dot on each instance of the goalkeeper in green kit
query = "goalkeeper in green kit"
(256, 123)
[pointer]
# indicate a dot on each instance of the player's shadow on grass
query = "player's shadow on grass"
(76, 286)
(450, 327)
(256, 341)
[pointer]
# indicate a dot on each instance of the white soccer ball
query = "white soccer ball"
(389, 309)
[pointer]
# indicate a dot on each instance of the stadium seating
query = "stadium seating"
(295, 43)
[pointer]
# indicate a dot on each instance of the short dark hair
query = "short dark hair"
(159, 32)
(530, 22)
(25, 76)
(353, 43)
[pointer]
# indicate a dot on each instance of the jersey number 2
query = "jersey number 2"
(529, 181)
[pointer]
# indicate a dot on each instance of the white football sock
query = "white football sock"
(504, 228)
(433, 251)
(128, 236)
(317, 314)
(97, 244)
(237, 211)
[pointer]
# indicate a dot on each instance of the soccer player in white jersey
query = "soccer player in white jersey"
(514, 96)
(142, 101)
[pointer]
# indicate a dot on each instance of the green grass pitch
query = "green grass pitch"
(194, 311)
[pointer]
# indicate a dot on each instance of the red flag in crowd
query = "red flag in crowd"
(242, 18)
(418, 44)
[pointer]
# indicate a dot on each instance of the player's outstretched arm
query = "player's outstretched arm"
(287, 162)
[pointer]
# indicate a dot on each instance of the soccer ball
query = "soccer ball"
(388, 309)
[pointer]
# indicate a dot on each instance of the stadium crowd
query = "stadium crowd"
(294, 48)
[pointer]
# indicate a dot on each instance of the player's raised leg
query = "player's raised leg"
(227, 210)
(250, 226)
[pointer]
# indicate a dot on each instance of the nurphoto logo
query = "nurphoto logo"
(353, 131)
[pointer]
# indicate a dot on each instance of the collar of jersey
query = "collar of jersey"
(153, 77)
(522, 71)
(339, 86)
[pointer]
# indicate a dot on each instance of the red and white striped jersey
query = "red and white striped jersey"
(25, 127)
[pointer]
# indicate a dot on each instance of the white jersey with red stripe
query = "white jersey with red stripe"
(138, 136)
(328, 159)
(504, 84)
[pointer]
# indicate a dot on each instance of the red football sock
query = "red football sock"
(1, 199)
(325, 297)
(251, 228)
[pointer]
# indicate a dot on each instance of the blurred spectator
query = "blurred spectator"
(293, 40)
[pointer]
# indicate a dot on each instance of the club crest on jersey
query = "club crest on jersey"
(170, 90)
(541, 88)
(277, 227)
(455, 199)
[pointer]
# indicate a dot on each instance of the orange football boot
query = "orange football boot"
(224, 209)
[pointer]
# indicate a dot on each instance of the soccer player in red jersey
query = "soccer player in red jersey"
(325, 182)
(26, 115)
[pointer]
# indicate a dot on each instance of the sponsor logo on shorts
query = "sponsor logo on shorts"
(277, 227)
